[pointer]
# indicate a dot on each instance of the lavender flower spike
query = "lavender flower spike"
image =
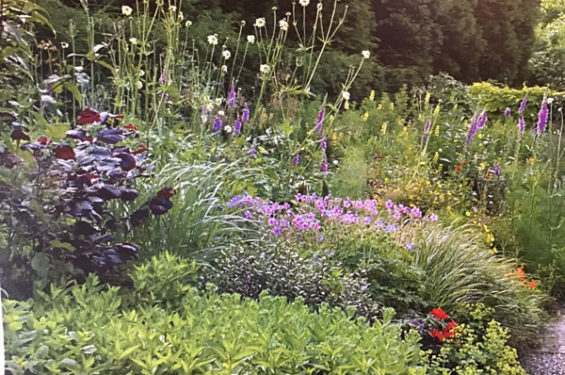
(237, 127)
(296, 160)
(245, 114)
(217, 124)
(521, 125)
(320, 123)
(543, 117)
(523, 104)
(231, 97)
(508, 112)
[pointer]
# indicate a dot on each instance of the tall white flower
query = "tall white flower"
(139, 85)
(283, 25)
(126, 10)
(304, 3)
(188, 23)
(366, 54)
(346, 95)
(226, 54)
(213, 39)
(224, 68)
(260, 22)
(265, 69)
(172, 8)
(251, 39)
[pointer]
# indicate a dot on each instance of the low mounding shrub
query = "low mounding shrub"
(93, 329)
(283, 269)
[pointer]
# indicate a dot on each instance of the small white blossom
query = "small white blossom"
(221, 113)
(133, 40)
(366, 54)
(550, 100)
(265, 69)
(126, 11)
(139, 85)
(188, 23)
(304, 3)
(213, 39)
(218, 101)
(335, 162)
(224, 68)
(141, 73)
(227, 129)
(226, 54)
(260, 22)
(283, 25)
(346, 95)
(251, 39)
(181, 15)
(320, 6)
(210, 106)
(172, 8)
(64, 45)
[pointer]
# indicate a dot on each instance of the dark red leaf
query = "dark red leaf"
(65, 153)
(141, 148)
(18, 135)
(166, 192)
(88, 116)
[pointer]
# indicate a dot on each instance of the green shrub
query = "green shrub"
(92, 329)
(291, 270)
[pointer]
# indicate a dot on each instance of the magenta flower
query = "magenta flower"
(324, 166)
(508, 112)
(245, 114)
(543, 117)
(237, 127)
(496, 170)
(433, 217)
(521, 125)
(523, 104)
(324, 143)
(231, 97)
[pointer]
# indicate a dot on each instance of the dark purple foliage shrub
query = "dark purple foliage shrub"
(59, 208)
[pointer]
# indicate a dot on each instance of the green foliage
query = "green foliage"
(480, 347)
(88, 328)
(291, 270)
(548, 58)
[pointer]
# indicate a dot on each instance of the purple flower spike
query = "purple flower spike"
(496, 170)
(324, 167)
(236, 127)
(163, 77)
(543, 117)
(231, 97)
(245, 114)
(482, 120)
(320, 122)
(296, 160)
(523, 105)
(324, 143)
(217, 124)
(508, 112)
(521, 125)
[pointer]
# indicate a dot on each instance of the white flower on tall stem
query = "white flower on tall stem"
(188, 23)
(283, 25)
(126, 10)
(172, 8)
(141, 73)
(181, 16)
(260, 22)
(265, 69)
(226, 54)
(139, 85)
(304, 3)
(213, 39)
(251, 39)
(64, 45)
(133, 40)
(366, 54)
(346, 95)
(224, 68)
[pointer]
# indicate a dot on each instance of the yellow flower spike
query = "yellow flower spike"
(436, 131)
(365, 117)
(436, 157)
(384, 127)
(494, 250)
(346, 105)
(436, 110)
(380, 106)
(372, 95)
(427, 98)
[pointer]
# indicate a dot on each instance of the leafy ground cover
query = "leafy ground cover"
(178, 205)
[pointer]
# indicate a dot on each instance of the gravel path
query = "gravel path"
(549, 359)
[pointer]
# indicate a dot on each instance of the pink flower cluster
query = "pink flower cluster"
(311, 211)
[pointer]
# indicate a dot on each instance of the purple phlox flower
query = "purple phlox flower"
(389, 204)
(415, 212)
(543, 117)
(252, 151)
(245, 114)
(277, 230)
(433, 217)
(217, 124)
(272, 222)
(234, 201)
(236, 127)
(380, 224)
(409, 246)
(163, 77)
(248, 278)
(321, 115)
(231, 97)
(247, 214)
(324, 143)
(496, 170)
(368, 219)
(507, 112)
(321, 238)
(523, 105)
(521, 125)
(397, 215)
(324, 166)
(296, 160)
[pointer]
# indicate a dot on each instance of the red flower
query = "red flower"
(437, 334)
(532, 284)
(43, 140)
(64, 152)
(449, 330)
(130, 127)
(88, 116)
(439, 314)
(458, 168)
